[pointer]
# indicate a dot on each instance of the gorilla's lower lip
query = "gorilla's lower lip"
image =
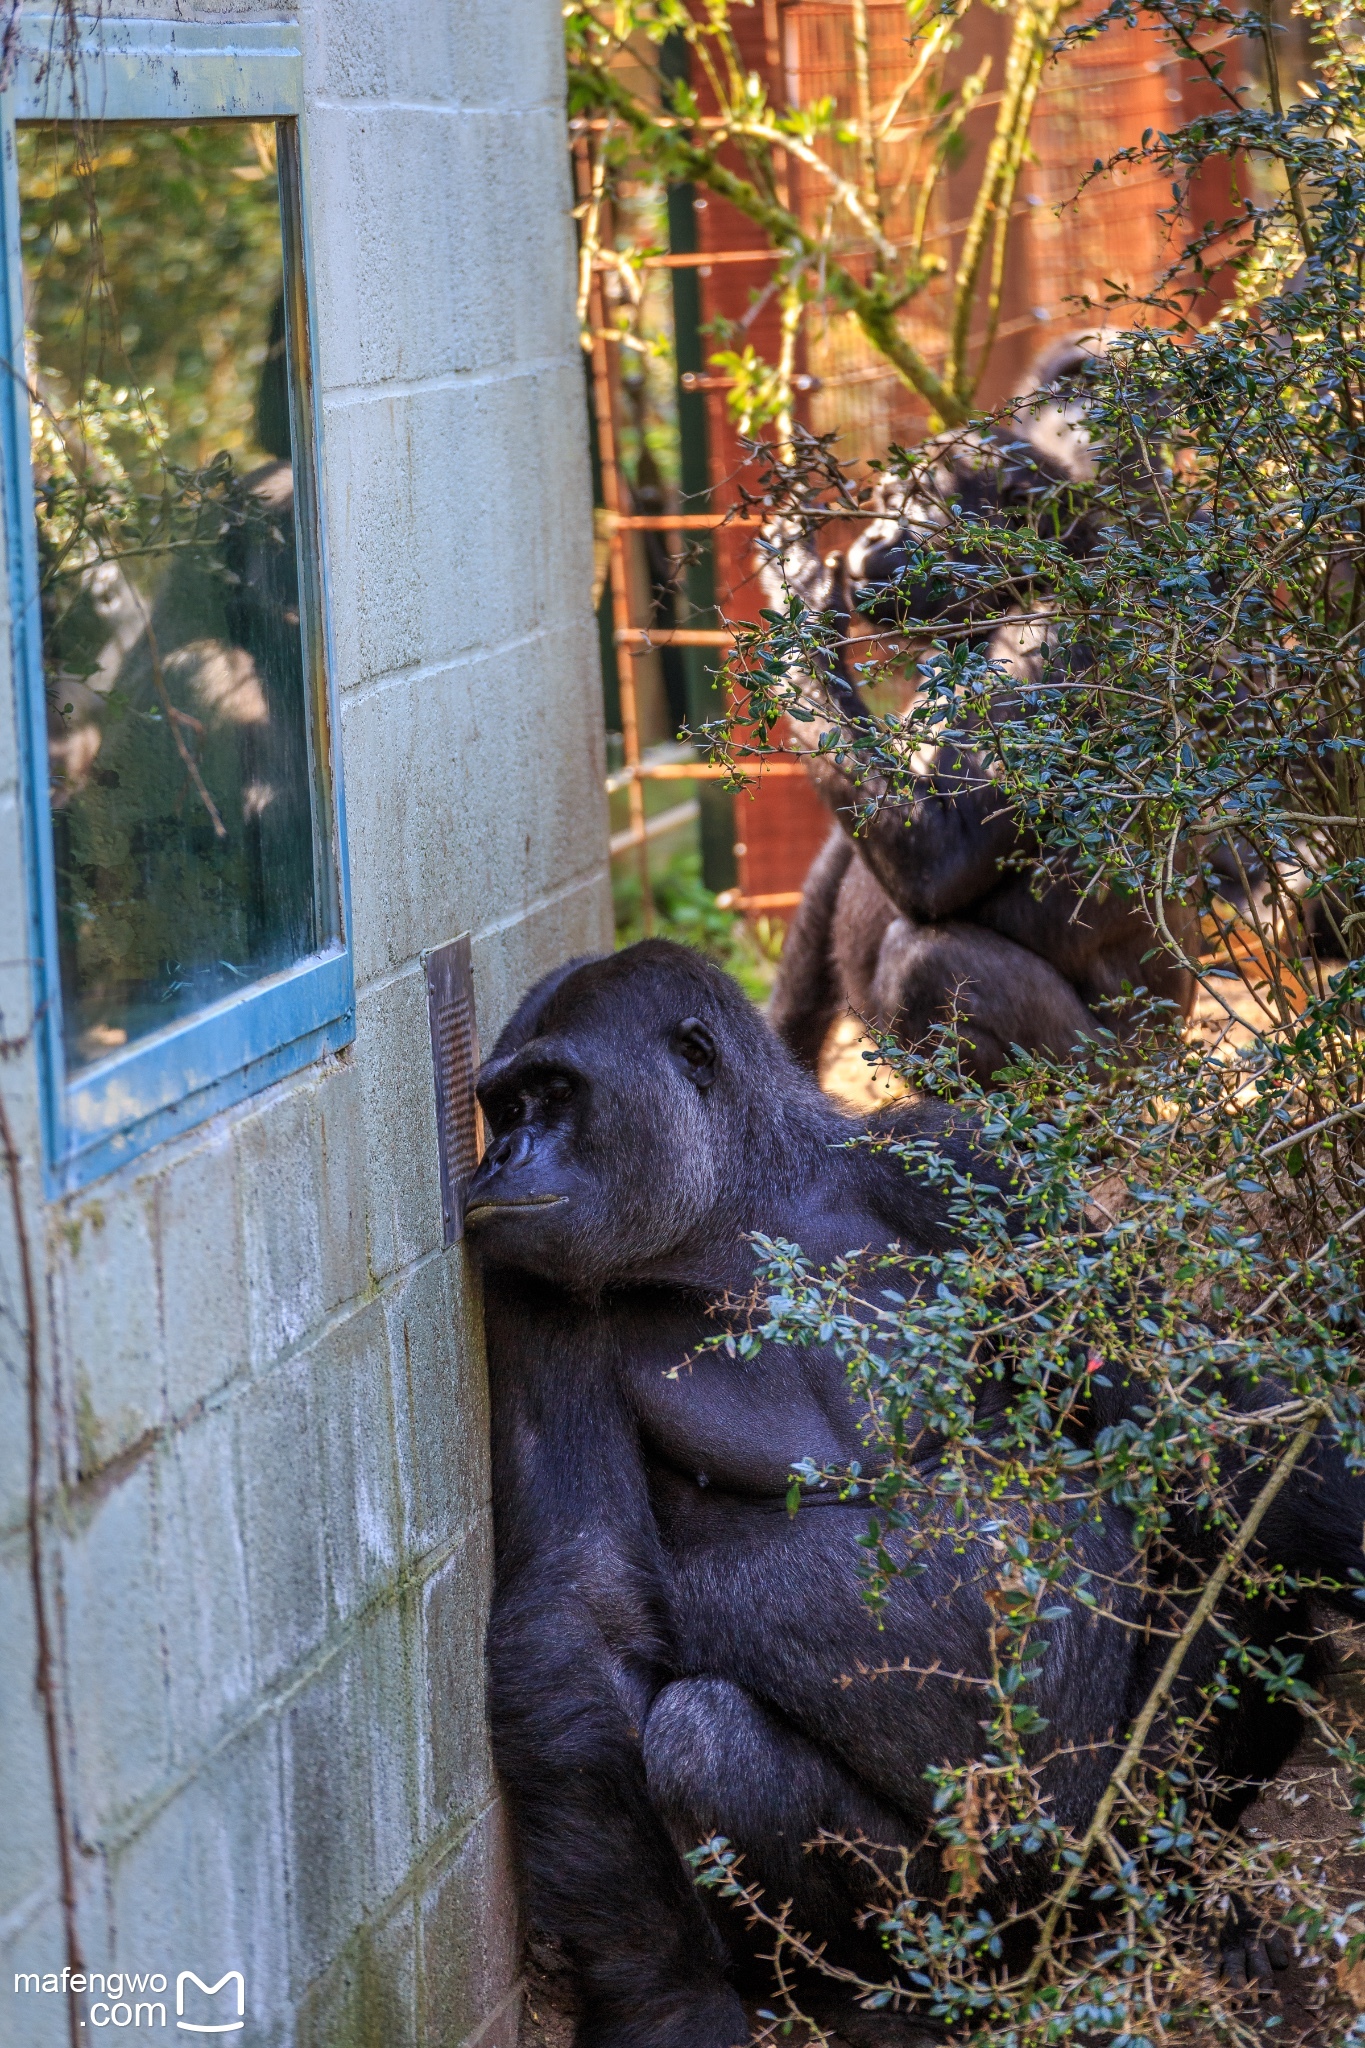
(482, 1209)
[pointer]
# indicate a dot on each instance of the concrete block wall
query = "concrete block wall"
(263, 1411)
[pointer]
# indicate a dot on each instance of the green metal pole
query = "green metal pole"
(705, 698)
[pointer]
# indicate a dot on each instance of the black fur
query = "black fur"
(667, 1644)
(810, 992)
(939, 908)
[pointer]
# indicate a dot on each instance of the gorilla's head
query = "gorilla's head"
(634, 1106)
(1054, 405)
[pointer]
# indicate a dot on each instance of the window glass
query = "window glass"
(182, 794)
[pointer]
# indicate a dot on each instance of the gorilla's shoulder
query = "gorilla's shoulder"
(922, 1117)
(912, 1198)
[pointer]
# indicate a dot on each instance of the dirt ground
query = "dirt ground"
(1307, 1808)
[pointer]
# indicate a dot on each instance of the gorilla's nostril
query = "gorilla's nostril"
(505, 1154)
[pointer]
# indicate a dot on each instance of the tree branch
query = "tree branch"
(686, 162)
(1170, 1671)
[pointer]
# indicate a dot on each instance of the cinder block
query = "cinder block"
(347, 47)
(115, 1681)
(14, 1400)
(205, 1597)
(391, 1688)
(504, 2029)
(538, 261)
(353, 1403)
(487, 196)
(425, 751)
(282, 1519)
(418, 487)
(202, 1886)
(368, 1999)
(516, 58)
(339, 1143)
(393, 1057)
(510, 959)
(421, 320)
(327, 1815)
(320, 1459)
(455, 52)
(33, 2019)
(454, 1620)
(9, 745)
(281, 1221)
(350, 1779)
(108, 1320)
(28, 1842)
(16, 983)
(204, 1319)
(19, 1080)
(469, 1935)
(375, 523)
(441, 1401)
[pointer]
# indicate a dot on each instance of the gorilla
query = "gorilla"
(668, 1646)
(1027, 470)
(938, 904)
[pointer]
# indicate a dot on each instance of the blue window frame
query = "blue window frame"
(102, 1109)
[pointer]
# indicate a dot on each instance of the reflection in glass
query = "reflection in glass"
(169, 582)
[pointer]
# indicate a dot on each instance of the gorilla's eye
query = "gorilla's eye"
(694, 1052)
(558, 1090)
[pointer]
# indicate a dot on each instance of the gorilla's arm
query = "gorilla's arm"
(941, 848)
(942, 845)
(807, 994)
(738, 1424)
(577, 1644)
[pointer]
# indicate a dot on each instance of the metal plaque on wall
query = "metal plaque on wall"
(455, 1061)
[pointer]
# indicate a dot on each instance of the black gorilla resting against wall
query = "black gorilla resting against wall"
(934, 905)
(666, 1643)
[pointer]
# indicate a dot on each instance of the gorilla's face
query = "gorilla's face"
(532, 1114)
(602, 1153)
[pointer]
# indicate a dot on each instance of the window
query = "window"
(186, 847)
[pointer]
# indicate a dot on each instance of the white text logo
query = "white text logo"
(211, 1991)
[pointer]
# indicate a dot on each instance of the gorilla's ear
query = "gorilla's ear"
(694, 1052)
